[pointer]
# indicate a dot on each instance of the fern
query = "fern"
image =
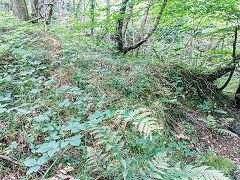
(210, 121)
(158, 168)
(227, 132)
(144, 121)
(215, 124)
(107, 148)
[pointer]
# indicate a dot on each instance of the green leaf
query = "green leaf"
(13, 145)
(42, 160)
(53, 151)
(33, 169)
(41, 118)
(64, 144)
(43, 148)
(74, 127)
(23, 111)
(34, 91)
(65, 103)
(30, 162)
(75, 140)
(2, 110)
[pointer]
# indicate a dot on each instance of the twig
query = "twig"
(34, 19)
(11, 160)
(154, 50)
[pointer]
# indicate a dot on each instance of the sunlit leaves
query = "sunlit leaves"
(30, 162)
(65, 103)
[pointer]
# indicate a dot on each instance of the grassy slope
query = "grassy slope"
(48, 86)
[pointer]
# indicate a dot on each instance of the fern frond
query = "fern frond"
(158, 168)
(145, 122)
(227, 132)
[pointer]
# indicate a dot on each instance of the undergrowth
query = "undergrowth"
(104, 116)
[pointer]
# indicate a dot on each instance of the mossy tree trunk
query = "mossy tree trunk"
(35, 8)
(20, 9)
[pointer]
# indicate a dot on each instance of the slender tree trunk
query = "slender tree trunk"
(61, 8)
(234, 59)
(144, 20)
(92, 9)
(83, 15)
(35, 6)
(229, 68)
(237, 96)
(74, 6)
(49, 12)
(125, 25)
(20, 9)
(108, 18)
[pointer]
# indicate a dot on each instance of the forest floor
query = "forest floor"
(42, 75)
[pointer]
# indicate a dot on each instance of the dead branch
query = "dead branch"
(11, 160)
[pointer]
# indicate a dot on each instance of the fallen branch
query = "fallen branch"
(222, 71)
(32, 20)
(11, 160)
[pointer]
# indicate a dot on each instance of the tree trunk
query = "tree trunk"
(144, 20)
(108, 18)
(119, 27)
(139, 43)
(92, 9)
(83, 15)
(74, 6)
(48, 12)
(125, 25)
(61, 8)
(35, 6)
(229, 68)
(237, 96)
(20, 9)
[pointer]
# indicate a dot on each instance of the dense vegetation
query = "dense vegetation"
(131, 89)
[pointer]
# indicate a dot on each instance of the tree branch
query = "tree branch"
(144, 20)
(234, 60)
(11, 160)
(139, 43)
(229, 68)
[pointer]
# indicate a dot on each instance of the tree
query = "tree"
(48, 11)
(228, 13)
(34, 6)
(20, 9)
(144, 20)
(108, 17)
(119, 29)
(92, 9)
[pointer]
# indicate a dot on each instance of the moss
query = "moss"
(223, 164)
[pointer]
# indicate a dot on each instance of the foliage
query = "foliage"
(216, 124)
(220, 163)
(67, 98)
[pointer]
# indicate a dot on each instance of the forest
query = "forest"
(120, 89)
